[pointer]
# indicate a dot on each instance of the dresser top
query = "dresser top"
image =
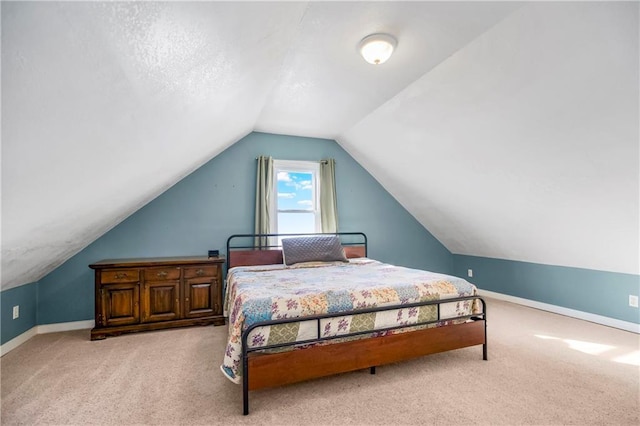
(157, 261)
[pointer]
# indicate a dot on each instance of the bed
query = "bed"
(319, 306)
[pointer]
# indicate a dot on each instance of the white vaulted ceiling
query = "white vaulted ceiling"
(508, 130)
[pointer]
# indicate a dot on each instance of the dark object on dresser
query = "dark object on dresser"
(155, 293)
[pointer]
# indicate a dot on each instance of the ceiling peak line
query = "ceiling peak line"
(453, 54)
(269, 93)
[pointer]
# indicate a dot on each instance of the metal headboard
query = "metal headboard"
(247, 242)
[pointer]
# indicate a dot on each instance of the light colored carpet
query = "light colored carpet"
(543, 369)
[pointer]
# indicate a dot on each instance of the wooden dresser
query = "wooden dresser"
(150, 294)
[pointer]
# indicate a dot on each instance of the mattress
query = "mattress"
(272, 292)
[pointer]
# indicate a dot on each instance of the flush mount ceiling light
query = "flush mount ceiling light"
(377, 48)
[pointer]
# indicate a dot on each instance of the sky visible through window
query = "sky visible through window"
(295, 192)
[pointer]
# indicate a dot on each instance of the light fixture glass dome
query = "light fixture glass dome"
(377, 48)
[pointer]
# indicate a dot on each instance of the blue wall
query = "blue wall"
(597, 292)
(25, 296)
(217, 200)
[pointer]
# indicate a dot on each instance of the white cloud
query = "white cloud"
(284, 177)
(286, 194)
(306, 202)
(305, 184)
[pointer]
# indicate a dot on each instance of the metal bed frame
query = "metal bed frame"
(470, 337)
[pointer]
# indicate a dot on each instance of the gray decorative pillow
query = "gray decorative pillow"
(323, 248)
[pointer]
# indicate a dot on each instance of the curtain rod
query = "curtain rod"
(321, 161)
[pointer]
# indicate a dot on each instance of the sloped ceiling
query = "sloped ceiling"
(508, 130)
(524, 144)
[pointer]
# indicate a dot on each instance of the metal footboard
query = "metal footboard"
(246, 351)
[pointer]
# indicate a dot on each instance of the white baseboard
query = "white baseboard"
(65, 326)
(598, 319)
(18, 340)
(44, 329)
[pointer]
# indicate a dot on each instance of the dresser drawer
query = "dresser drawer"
(161, 274)
(200, 271)
(119, 276)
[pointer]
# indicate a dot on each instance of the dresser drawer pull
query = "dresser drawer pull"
(162, 274)
(120, 276)
(200, 272)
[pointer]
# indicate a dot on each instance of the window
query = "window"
(296, 206)
(289, 196)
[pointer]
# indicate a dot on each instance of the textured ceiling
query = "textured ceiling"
(508, 130)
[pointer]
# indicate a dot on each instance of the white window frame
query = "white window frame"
(312, 167)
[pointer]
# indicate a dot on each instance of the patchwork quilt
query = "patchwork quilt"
(270, 292)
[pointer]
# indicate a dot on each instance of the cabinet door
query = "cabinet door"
(161, 294)
(201, 297)
(120, 303)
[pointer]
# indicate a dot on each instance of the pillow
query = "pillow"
(323, 248)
